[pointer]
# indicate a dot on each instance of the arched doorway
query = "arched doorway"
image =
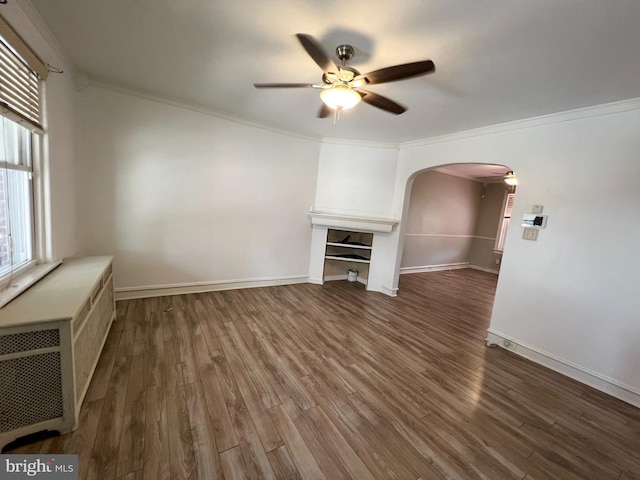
(454, 217)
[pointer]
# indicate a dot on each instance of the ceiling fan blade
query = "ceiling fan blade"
(324, 111)
(398, 72)
(317, 53)
(283, 85)
(381, 102)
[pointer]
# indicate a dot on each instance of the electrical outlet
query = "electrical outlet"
(530, 234)
(509, 345)
(537, 209)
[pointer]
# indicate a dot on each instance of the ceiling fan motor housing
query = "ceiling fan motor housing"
(343, 76)
(344, 53)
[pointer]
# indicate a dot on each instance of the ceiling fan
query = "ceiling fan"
(341, 86)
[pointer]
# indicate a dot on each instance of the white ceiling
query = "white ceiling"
(496, 60)
(483, 172)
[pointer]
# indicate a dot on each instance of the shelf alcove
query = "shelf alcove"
(346, 242)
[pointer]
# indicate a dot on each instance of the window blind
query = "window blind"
(20, 94)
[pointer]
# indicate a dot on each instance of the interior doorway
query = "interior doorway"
(456, 218)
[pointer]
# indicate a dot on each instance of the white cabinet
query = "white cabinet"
(51, 337)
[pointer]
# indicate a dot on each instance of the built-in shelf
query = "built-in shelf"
(356, 259)
(339, 236)
(359, 246)
(345, 251)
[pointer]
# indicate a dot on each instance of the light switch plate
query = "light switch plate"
(530, 234)
(537, 209)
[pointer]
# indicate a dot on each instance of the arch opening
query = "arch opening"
(453, 216)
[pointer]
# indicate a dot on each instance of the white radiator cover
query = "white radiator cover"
(51, 337)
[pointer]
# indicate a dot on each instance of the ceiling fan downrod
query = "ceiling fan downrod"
(345, 53)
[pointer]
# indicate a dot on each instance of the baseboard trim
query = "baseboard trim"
(392, 292)
(596, 380)
(434, 268)
(129, 293)
(484, 269)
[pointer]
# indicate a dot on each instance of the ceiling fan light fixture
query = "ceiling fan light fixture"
(340, 97)
(510, 178)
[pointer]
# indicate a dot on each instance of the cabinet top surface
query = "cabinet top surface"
(57, 296)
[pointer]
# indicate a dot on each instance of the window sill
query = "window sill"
(24, 281)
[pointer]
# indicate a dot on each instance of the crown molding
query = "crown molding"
(550, 119)
(92, 81)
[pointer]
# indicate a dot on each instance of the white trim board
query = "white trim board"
(23, 281)
(429, 235)
(128, 293)
(331, 278)
(391, 292)
(85, 80)
(484, 269)
(358, 223)
(593, 379)
(434, 268)
(531, 122)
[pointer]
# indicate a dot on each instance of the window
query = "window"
(16, 199)
(504, 224)
(21, 85)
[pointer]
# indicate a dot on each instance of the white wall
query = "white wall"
(482, 254)
(441, 220)
(583, 268)
(62, 160)
(184, 198)
(357, 179)
(572, 296)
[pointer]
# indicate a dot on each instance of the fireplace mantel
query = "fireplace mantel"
(352, 222)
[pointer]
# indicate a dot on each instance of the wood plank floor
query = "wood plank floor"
(333, 382)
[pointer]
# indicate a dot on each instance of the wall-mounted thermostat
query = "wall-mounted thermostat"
(534, 220)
